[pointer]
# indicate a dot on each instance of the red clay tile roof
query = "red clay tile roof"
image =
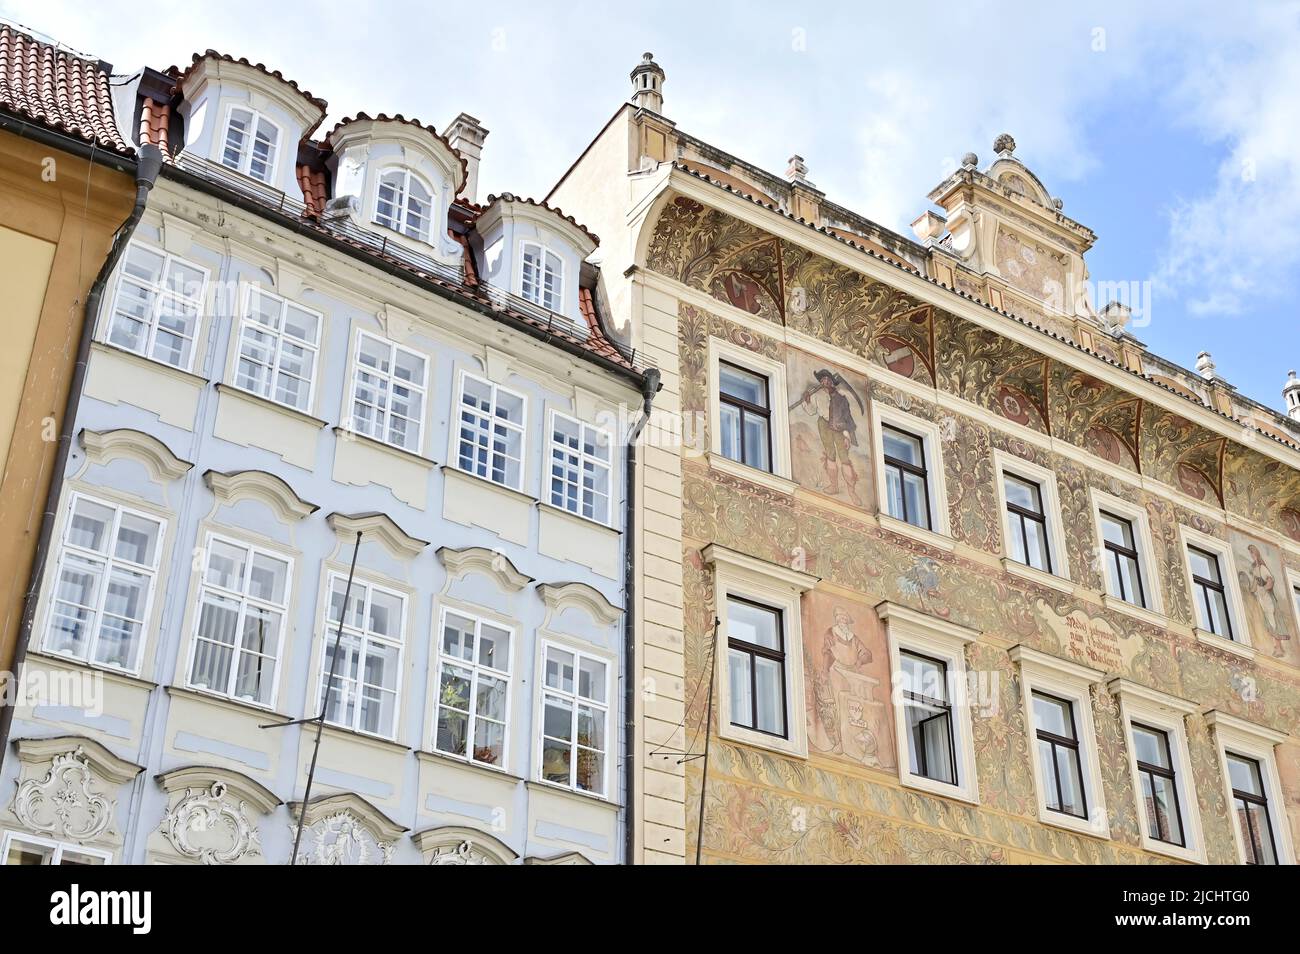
(155, 124)
(57, 89)
(180, 75)
(312, 183)
(511, 197)
(597, 341)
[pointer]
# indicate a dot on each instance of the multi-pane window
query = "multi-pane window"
(1059, 757)
(388, 389)
(1159, 784)
(745, 416)
(363, 694)
(404, 204)
(491, 443)
(927, 710)
(1027, 539)
(542, 277)
(1120, 555)
(277, 349)
(156, 306)
(242, 604)
(907, 486)
(580, 468)
(473, 689)
(103, 584)
(575, 717)
(251, 142)
(1208, 592)
(756, 666)
(1251, 806)
(31, 850)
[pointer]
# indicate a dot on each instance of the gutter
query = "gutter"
(146, 174)
(649, 388)
(103, 155)
(298, 226)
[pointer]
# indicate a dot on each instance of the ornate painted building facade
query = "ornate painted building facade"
(334, 407)
(960, 570)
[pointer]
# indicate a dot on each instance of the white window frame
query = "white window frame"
(542, 251)
(940, 532)
(246, 301)
(1256, 742)
(579, 653)
(1167, 713)
(11, 836)
(478, 617)
(780, 477)
(1240, 641)
(109, 560)
(246, 157)
(778, 588)
(408, 175)
(1072, 682)
(458, 406)
(1154, 611)
(367, 638)
(284, 610)
(1059, 577)
(389, 379)
(910, 631)
(160, 293)
(555, 447)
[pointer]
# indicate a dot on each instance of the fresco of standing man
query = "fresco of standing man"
(825, 399)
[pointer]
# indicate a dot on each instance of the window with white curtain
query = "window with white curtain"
(404, 204)
(542, 276)
(278, 341)
(473, 703)
(157, 306)
(575, 719)
(363, 694)
(580, 467)
(491, 438)
(388, 389)
(104, 581)
(250, 144)
(242, 603)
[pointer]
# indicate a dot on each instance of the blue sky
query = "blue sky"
(1172, 130)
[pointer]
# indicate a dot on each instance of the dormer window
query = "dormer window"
(404, 204)
(542, 277)
(250, 144)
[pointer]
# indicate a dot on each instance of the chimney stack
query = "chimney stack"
(466, 135)
(648, 85)
(1291, 396)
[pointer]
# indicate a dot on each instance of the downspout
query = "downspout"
(146, 173)
(650, 385)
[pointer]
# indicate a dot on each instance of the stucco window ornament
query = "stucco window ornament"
(211, 826)
(343, 839)
(460, 845)
(462, 854)
(63, 804)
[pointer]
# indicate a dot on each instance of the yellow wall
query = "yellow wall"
(24, 274)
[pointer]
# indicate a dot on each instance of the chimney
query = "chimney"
(466, 135)
(1291, 396)
(1205, 366)
(648, 85)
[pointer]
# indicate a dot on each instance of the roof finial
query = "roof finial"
(1004, 145)
(1205, 366)
(797, 171)
(1291, 396)
(648, 84)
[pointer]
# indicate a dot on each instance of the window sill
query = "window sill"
(1079, 826)
(725, 465)
(442, 758)
(798, 748)
(929, 537)
(401, 453)
(1137, 612)
(1224, 644)
(586, 798)
(455, 473)
(1016, 568)
(109, 672)
(1172, 851)
(235, 705)
(579, 519)
(239, 393)
(180, 374)
(929, 786)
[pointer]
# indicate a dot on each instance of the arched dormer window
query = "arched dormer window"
(542, 276)
(251, 143)
(404, 204)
